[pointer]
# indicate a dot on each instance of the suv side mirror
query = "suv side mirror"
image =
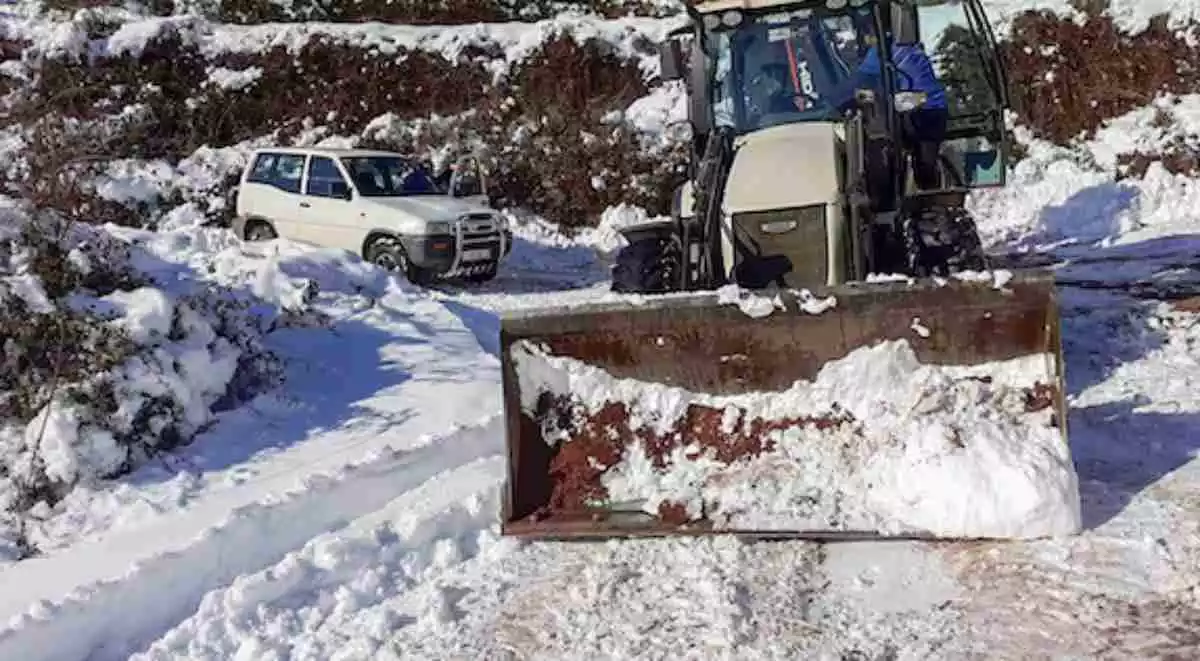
(670, 55)
(340, 189)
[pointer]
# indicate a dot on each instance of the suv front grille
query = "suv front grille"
(479, 224)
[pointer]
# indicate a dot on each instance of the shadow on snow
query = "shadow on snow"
(1108, 295)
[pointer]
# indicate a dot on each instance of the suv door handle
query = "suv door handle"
(305, 205)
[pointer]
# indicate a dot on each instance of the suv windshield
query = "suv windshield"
(786, 67)
(388, 176)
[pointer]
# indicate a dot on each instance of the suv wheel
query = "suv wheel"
(387, 253)
(259, 231)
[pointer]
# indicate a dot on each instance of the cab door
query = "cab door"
(962, 47)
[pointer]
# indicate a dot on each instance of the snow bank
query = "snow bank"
(123, 345)
(347, 583)
(1059, 197)
(93, 621)
(877, 441)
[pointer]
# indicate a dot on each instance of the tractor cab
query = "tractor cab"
(784, 67)
(757, 64)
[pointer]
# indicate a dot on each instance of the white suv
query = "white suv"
(378, 204)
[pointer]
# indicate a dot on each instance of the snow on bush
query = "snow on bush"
(416, 12)
(103, 368)
(542, 107)
(1066, 78)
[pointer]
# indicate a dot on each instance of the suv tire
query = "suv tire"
(259, 230)
(387, 253)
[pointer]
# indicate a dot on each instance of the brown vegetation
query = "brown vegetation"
(415, 12)
(1068, 79)
(558, 98)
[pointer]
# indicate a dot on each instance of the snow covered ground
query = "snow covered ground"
(347, 517)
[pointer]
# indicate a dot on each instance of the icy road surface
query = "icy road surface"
(353, 515)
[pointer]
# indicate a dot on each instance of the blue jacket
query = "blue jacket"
(910, 59)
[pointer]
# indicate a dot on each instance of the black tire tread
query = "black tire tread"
(647, 266)
(941, 241)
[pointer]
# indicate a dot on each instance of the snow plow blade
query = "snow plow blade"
(894, 410)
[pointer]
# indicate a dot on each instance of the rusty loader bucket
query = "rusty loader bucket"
(882, 410)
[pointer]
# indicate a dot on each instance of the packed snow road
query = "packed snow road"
(347, 518)
(451, 589)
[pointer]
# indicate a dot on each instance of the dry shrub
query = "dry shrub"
(571, 175)
(568, 163)
(1068, 79)
(62, 158)
(1181, 156)
(418, 12)
(64, 264)
(41, 350)
(547, 147)
(343, 87)
(11, 49)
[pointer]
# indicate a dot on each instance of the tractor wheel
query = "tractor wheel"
(647, 266)
(941, 241)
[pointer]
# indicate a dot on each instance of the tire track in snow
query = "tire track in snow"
(94, 622)
(341, 595)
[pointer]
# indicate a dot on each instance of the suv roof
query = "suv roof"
(326, 151)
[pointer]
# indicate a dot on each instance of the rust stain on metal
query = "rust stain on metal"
(599, 441)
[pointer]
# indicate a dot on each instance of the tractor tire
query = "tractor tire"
(647, 266)
(941, 241)
(387, 253)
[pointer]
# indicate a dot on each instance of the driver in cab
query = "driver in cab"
(799, 69)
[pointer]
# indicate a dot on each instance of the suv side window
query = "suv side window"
(282, 171)
(288, 172)
(322, 175)
(264, 165)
